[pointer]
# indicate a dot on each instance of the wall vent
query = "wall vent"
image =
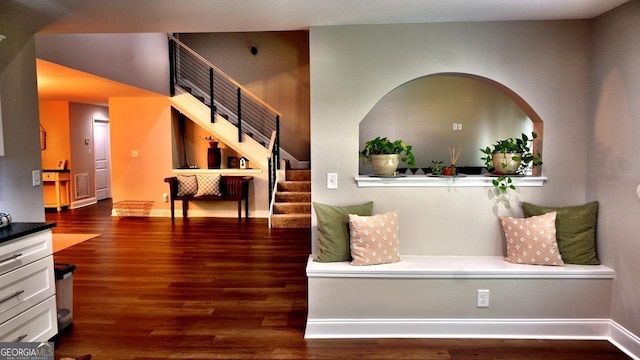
(81, 182)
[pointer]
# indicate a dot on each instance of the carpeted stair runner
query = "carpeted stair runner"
(292, 208)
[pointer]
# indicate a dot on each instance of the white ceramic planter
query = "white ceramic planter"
(386, 164)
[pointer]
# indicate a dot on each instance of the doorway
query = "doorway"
(102, 151)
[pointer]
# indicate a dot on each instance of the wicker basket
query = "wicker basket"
(139, 208)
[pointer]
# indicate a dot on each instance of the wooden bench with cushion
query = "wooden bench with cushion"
(208, 188)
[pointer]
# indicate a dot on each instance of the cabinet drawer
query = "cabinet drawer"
(27, 249)
(49, 176)
(26, 286)
(34, 325)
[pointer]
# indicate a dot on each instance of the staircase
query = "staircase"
(292, 207)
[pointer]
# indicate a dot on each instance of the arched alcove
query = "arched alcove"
(423, 111)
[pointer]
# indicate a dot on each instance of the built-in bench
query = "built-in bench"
(232, 187)
(436, 296)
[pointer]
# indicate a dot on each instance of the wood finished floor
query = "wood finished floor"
(208, 288)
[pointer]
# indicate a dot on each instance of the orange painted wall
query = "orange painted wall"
(141, 125)
(54, 118)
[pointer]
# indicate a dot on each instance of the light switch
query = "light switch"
(332, 181)
(134, 153)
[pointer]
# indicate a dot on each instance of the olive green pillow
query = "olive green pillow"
(333, 230)
(575, 230)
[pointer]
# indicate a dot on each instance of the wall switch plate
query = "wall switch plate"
(35, 177)
(483, 299)
(332, 181)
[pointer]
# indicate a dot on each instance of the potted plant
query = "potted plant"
(385, 155)
(436, 169)
(511, 156)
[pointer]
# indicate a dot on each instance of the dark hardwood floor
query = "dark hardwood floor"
(208, 288)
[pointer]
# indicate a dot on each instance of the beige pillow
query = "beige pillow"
(208, 185)
(187, 185)
(374, 239)
(532, 240)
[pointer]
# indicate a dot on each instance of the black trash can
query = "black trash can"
(64, 294)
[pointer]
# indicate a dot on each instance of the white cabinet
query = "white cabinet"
(27, 283)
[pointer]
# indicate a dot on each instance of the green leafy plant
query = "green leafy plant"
(522, 146)
(382, 146)
(436, 169)
(503, 183)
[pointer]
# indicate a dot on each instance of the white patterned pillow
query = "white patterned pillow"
(187, 185)
(208, 185)
(532, 240)
(374, 239)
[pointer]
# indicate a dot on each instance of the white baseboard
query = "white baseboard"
(204, 213)
(459, 328)
(84, 202)
(624, 340)
(574, 329)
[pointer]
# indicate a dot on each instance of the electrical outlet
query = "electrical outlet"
(332, 181)
(165, 197)
(483, 299)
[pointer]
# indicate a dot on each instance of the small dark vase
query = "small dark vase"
(214, 157)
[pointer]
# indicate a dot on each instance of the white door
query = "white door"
(102, 154)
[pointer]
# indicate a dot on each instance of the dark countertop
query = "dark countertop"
(16, 230)
(55, 170)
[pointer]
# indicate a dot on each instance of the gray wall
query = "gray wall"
(422, 112)
(353, 67)
(140, 60)
(614, 170)
(278, 74)
(21, 138)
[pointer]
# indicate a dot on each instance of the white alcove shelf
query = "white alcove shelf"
(433, 181)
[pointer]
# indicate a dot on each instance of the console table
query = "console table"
(61, 180)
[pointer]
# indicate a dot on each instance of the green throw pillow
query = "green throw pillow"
(575, 230)
(333, 230)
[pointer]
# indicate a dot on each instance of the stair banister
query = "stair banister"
(213, 108)
(239, 114)
(245, 91)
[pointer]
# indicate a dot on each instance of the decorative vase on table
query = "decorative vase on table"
(385, 164)
(214, 157)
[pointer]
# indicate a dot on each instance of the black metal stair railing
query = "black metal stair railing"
(225, 97)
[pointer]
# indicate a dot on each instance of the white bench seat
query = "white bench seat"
(435, 296)
(455, 267)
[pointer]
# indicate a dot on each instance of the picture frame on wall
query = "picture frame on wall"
(232, 162)
(62, 164)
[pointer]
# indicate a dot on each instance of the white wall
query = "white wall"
(614, 170)
(352, 67)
